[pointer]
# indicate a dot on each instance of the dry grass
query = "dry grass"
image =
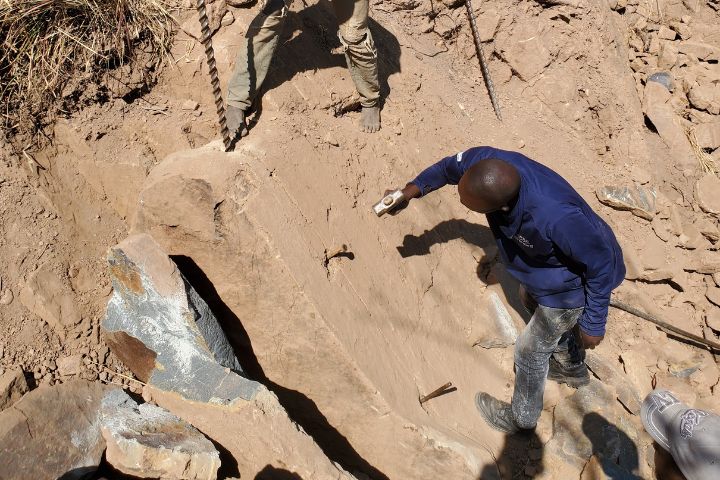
(48, 44)
(707, 162)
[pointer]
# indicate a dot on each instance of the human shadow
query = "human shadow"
(614, 450)
(272, 473)
(489, 269)
(520, 457)
(300, 408)
(308, 42)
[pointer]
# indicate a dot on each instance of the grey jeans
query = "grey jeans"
(548, 334)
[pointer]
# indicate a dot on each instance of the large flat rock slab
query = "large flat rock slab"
(53, 432)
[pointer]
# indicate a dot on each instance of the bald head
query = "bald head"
(489, 185)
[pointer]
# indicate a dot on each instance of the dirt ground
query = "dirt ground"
(571, 78)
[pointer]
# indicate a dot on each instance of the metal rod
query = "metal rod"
(664, 325)
(435, 393)
(483, 62)
(212, 68)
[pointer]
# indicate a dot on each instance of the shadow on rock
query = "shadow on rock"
(299, 407)
(615, 453)
(520, 457)
(272, 473)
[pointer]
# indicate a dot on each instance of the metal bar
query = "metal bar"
(483, 62)
(664, 325)
(212, 67)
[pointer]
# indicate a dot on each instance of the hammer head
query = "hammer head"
(388, 202)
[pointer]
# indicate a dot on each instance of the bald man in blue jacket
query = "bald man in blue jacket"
(564, 255)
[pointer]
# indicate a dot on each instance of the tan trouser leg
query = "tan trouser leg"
(360, 52)
(254, 57)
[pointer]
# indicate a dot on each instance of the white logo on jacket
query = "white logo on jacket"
(458, 157)
(523, 241)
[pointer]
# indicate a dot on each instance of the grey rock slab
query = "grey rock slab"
(158, 325)
(149, 442)
(639, 200)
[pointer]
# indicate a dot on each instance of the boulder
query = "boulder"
(255, 242)
(707, 193)
(53, 432)
(147, 441)
(658, 109)
(12, 387)
(712, 319)
(158, 325)
(51, 299)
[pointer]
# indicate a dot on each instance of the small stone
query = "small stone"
(71, 365)
(640, 175)
(227, 19)
(639, 200)
(668, 55)
(7, 297)
(190, 105)
(713, 295)
(707, 191)
(330, 139)
(715, 277)
(706, 97)
(708, 135)
(660, 229)
(12, 387)
(712, 319)
(666, 33)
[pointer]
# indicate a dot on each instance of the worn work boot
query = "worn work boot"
(573, 378)
(497, 414)
(235, 122)
(370, 122)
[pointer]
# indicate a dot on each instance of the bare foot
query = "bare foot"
(235, 122)
(370, 122)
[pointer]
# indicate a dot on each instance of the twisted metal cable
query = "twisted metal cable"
(483, 63)
(212, 68)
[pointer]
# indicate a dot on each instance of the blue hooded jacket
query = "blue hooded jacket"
(551, 241)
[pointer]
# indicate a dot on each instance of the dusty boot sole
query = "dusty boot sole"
(490, 409)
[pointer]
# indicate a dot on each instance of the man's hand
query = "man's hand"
(590, 342)
(409, 192)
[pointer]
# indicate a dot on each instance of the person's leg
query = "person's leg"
(533, 349)
(253, 61)
(567, 364)
(361, 57)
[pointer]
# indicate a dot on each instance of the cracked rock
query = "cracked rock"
(149, 442)
(707, 191)
(158, 325)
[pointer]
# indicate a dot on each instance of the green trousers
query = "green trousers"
(258, 45)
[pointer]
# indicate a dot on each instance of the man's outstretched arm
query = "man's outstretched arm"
(449, 170)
